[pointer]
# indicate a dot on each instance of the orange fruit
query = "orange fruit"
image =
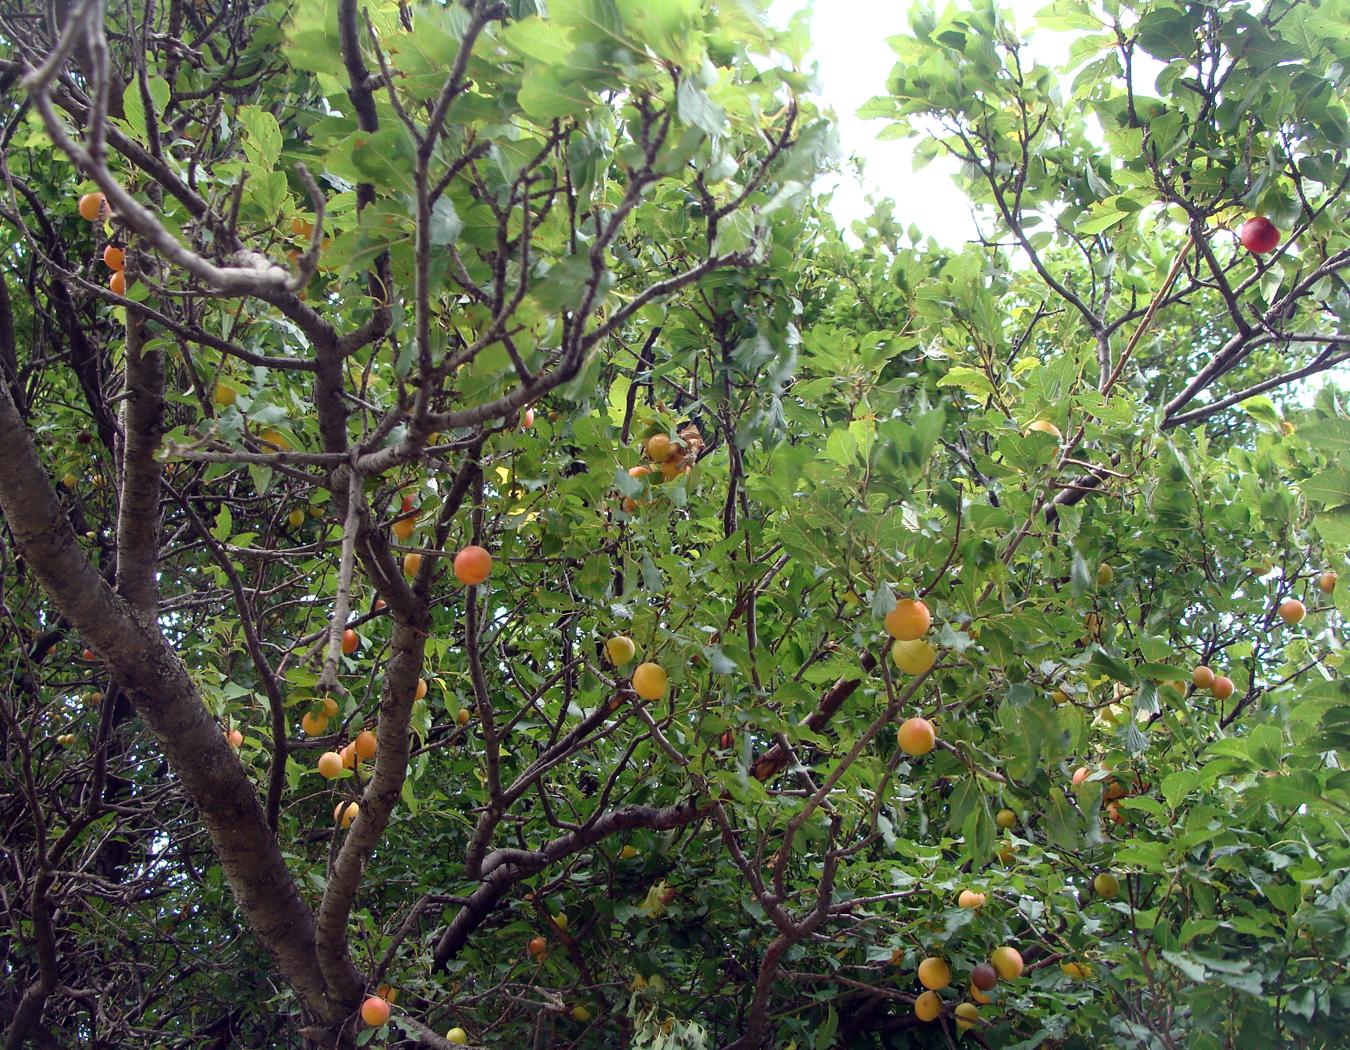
(235, 738)
(1007, 961)
(472, 565)
(910, 619)
(365, 744)
(527, 419)
(351, 641)
(1203, 677)
(1222, 687)
(916, 736)
(1292, 611)
(118, 283)
(650, 681)
(970, 899)
(1046, 427)
(348, 754)
(330, 765)
(934, 973)
(967, 1016)
(659, 447)
(92, 206)
(412, 564)
(1080, 774)
(927, 1006)
(640, 471)
(329, 706)
(375, 1011)
(114, 258)
(1326, 583)
(421, 689)
(345, 812)
(314, 723)
(537, 948)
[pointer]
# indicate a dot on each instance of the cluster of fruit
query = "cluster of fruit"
(935, 974)
(649, 680)
(672, 456)
(907, 623)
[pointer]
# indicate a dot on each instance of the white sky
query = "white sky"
(849, 44)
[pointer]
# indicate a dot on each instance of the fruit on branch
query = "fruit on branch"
(1222, 688)
(1044, 426)
(412, 564)
(916, 736)
(1106, 885)
(93, 206)
(650, 681)
(1292, 611)
(404, 527)
(315, 723)
(1258, 235)
(114, 258)
(527, 419)
(1059, 696)
(375, 1011)
(66, 739)
(628, 852)
(1080, 775)
(329, 706)
(581, 1013)
(967, 1016)
(69, 480)
(457, 1036)
(224, 395)
(537, 948)
(1113, 813)
(913, 657)
(1006, 818)
(351, 641)
(984, 977)
(118, 283)
(234, 738)
(640, 471)
(927, 1006)
(462, 717)
(727, 740)
(978, 995)
(1007, 961)
(365, 744)
(1105, 575)
(330, 765)
(473, 565)
(1075, 970)
(935, 973)
(1326, 583)
(295, 518)
(1202, 677)
(619, 650)
(971, 899)
(421, 691)
(345, 812)
(910, 619)
(348, 754)
(658, 448)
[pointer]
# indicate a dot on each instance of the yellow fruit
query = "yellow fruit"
(560, 920)
(1045, 427)
(916, 736)
(1006, 818)
(927, 1006)
(330, 707)
(330, 765)
(910, 619)
(314, 723)
(978, 996)
(1007, 961)
(1326, 583)
(970, 899)
(1076, 970)
(1203, 677)
(1105, 575)
(934, 973)
(462, 716)
(345, 812)
(69, 480)
(913, 657)
(295, 518)
(650, 681)
(224, 395)
(659, 448)
(628, 853)
(967, 1016)
(404, 528)
(275, 437)
(581, 1014)
(412, 564)
(1060, 696)
(421, 690)
(619, 650)
(457, 1036)
(1106, 885)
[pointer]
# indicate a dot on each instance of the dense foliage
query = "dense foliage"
(302, 300)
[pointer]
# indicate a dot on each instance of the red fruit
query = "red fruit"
(350, 641)
(984, 977)
(1258, 235)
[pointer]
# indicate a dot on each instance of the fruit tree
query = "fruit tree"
(485, 553)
